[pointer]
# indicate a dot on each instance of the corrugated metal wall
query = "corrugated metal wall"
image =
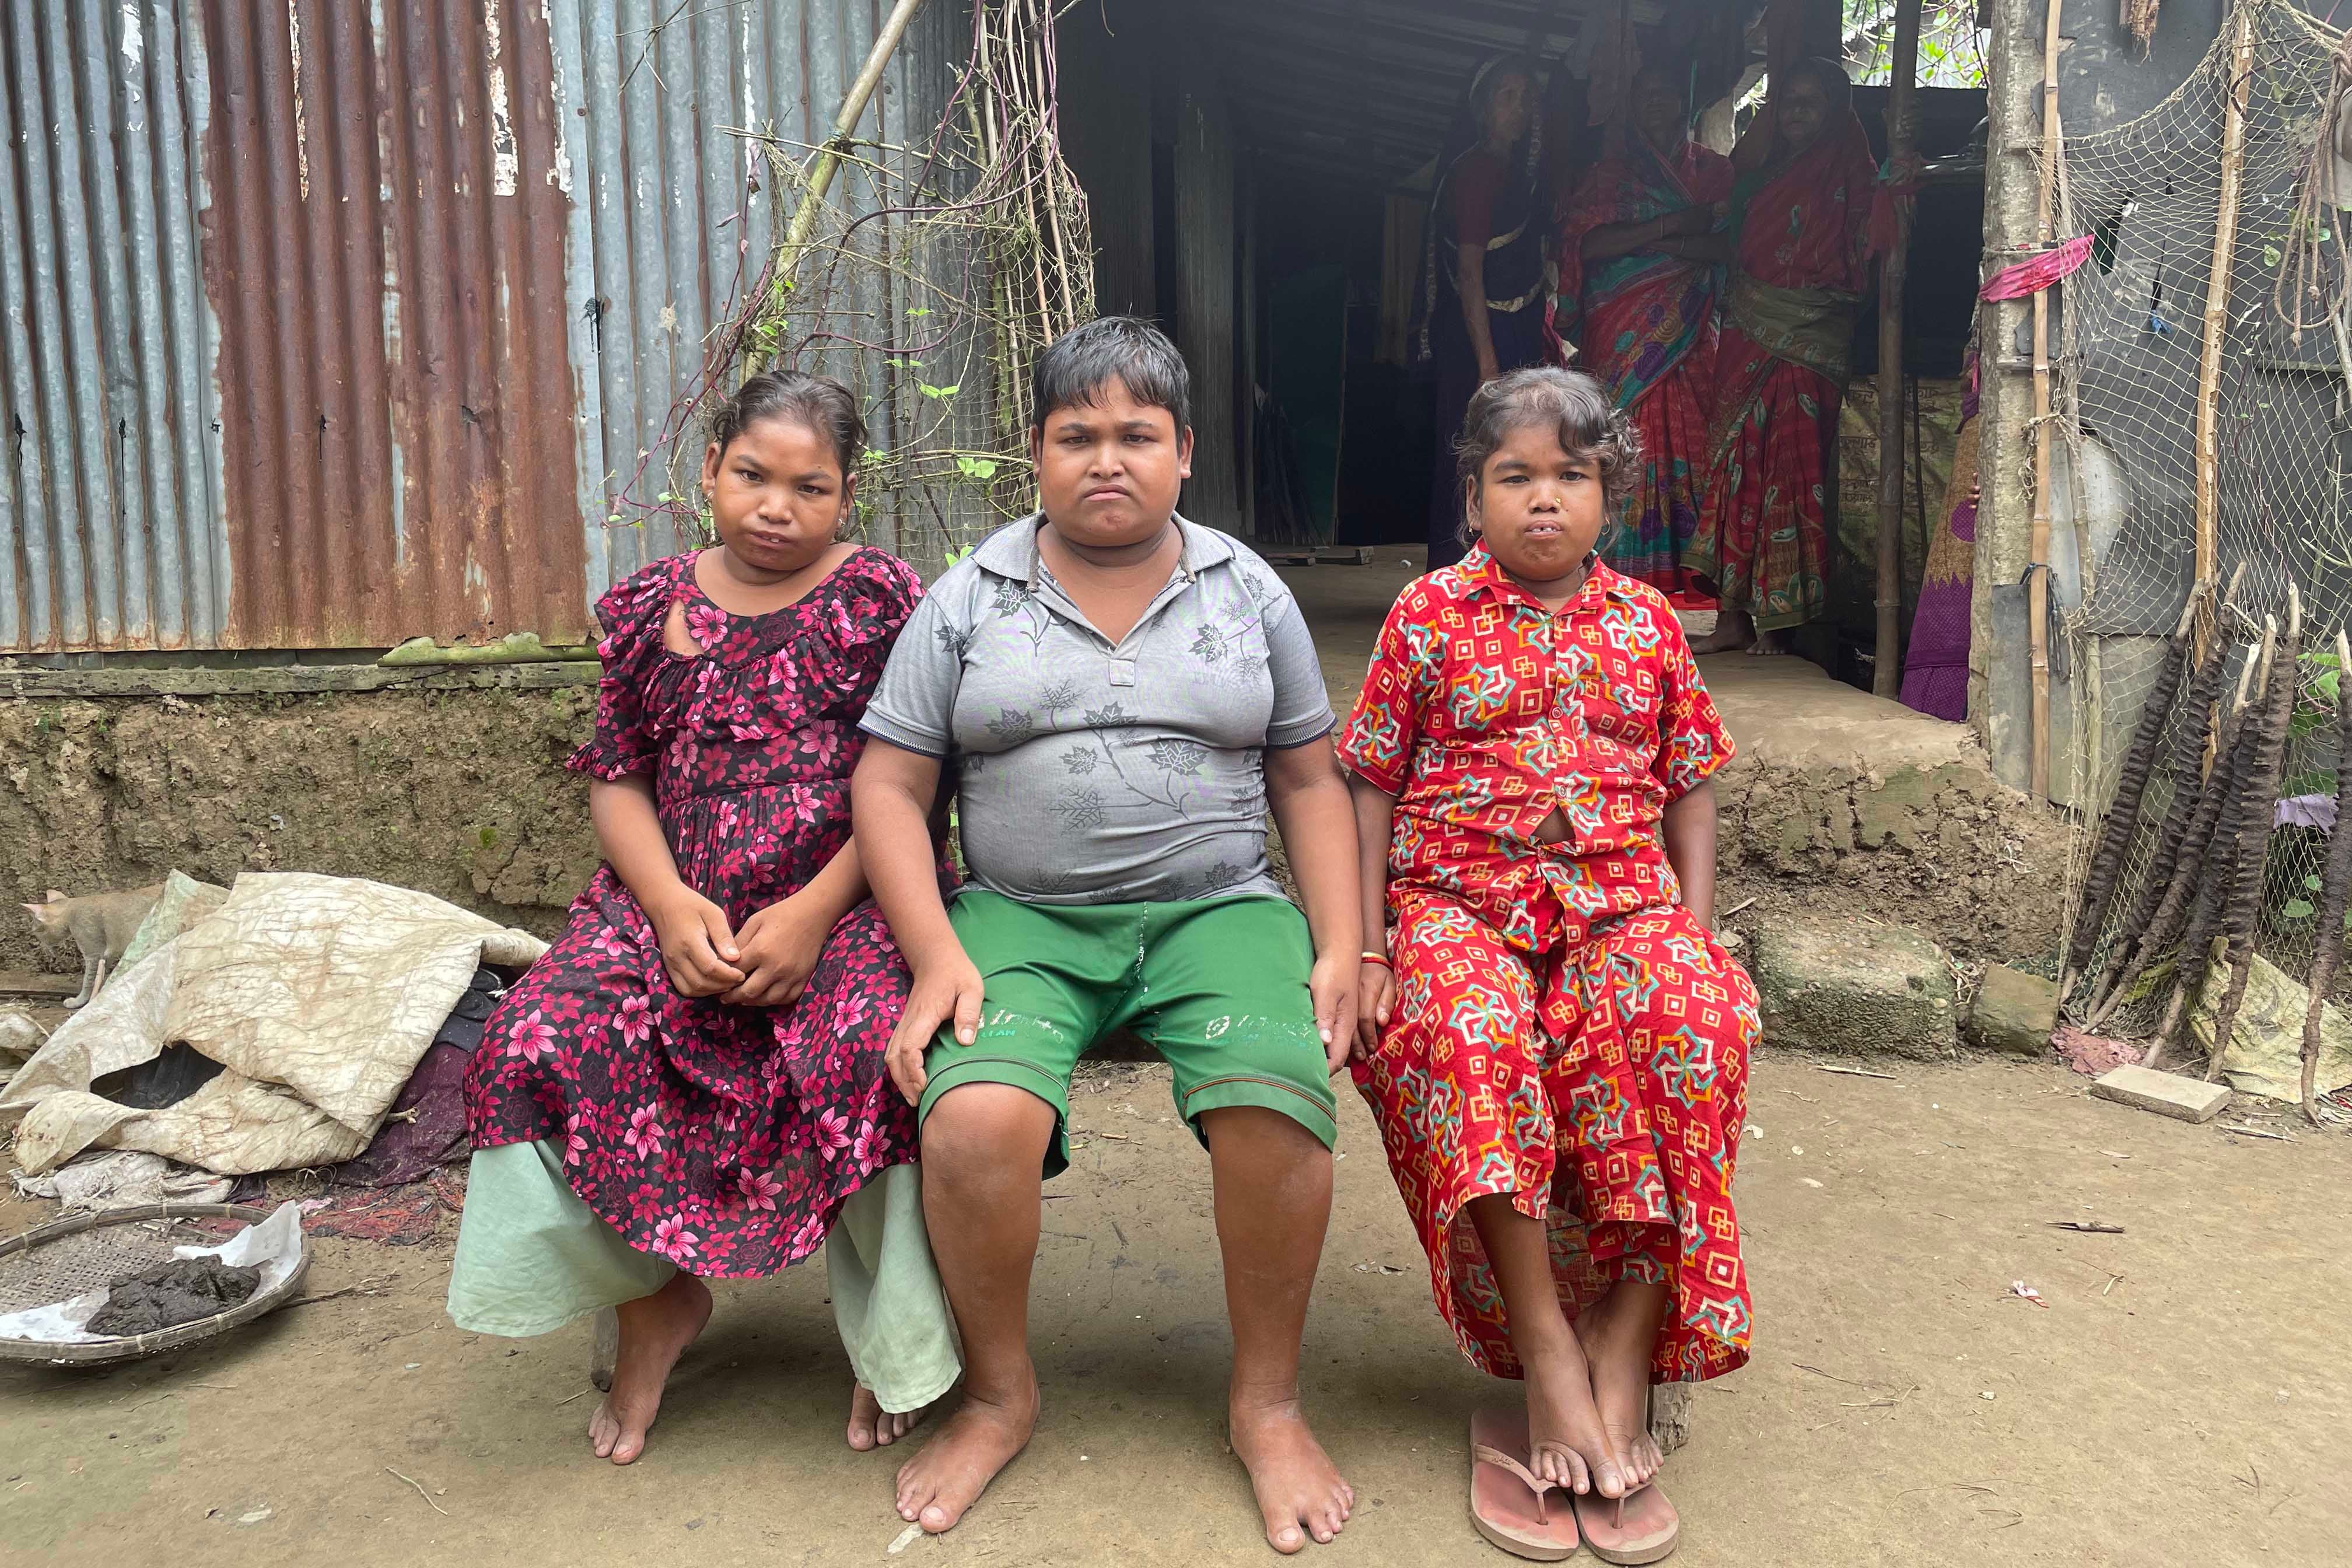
(675, 215)
(110, 512)
(329, 325)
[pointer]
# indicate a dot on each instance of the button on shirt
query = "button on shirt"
(1094, 772)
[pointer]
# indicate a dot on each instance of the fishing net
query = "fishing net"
(2150, 351)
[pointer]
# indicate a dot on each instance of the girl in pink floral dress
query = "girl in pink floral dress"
(690, 1084)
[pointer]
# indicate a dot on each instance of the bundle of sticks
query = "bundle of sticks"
(2200, 898)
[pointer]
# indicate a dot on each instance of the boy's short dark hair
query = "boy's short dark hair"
(1076, 365)
(1572, 403)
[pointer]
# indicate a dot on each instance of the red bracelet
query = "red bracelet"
(1381, 959)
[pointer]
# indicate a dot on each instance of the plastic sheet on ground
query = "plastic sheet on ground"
(318, 993)
(123, 1179)
(2265, 1054)
(274, 1246)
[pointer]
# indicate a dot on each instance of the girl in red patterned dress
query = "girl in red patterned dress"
(690, 1082)
(1554, 1044)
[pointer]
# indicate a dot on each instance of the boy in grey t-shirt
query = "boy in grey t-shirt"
(1124, 694)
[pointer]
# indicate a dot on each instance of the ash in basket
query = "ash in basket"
(91, 1284)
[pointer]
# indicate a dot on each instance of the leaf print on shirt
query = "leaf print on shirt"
(1175, 756)
(1079, 761)
(1053, 699)
(1209, 645)
(1112, 716)
(1010, 727)
(1081, 810)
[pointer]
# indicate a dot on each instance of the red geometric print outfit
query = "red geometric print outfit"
(1555, 999)
(721, 1138)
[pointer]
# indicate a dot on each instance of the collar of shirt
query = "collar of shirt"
(1484, 577)
(1012, 551)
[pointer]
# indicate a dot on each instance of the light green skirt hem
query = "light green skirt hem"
(532, 1258)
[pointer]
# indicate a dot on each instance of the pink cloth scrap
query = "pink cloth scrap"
(2032, 277)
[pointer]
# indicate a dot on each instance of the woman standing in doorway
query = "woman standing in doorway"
(1640, 274)
(1801, 253)
(1485, 281)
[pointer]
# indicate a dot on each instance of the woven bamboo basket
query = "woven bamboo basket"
(59, 1261)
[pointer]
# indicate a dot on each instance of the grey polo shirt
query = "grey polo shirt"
(1096, 772)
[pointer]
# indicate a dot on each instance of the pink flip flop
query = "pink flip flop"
(1506, 1499)
(1639, 1528)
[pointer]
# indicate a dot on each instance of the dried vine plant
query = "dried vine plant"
(926, 276)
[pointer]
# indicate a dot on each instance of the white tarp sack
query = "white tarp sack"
(2265, 1054)
(318, 993)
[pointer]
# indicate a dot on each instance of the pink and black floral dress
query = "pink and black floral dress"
(721, 1138)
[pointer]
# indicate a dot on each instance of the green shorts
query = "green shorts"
(1218, 987)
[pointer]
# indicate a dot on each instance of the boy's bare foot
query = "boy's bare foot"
(1567, 1439)
(1618, 1333)
(654, 1331)
(980, 1438)
(1733, 630)
(1767, 644)
(871, 1427)
(1298, 1488)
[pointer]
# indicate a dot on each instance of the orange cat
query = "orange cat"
(101, 926)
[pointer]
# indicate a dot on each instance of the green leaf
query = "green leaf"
(2313, 883)
(2296, 909)
(980, 469)
(2273, 255)
(930, 391)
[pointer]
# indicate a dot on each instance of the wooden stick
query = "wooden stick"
(2037, 590)
(1902, 118)
(2335, 885)
(828, 158)
(2217, 298)
(2254, 825)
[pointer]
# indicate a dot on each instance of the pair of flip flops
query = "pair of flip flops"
(1511, 1508)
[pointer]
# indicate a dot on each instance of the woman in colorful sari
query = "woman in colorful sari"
(1486, 283)
(1640, 271)
(1936, 659)
(1801, 252)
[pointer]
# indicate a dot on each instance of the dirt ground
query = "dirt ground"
(2181, 1399)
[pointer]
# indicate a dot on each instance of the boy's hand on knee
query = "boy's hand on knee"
(1332, 983)
(951, 988)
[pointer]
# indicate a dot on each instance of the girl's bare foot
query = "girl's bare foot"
(1767, 644)
(654, 1331)
(1567, 1439)
(871, 1427)
(1733, 630)
(1298, 1490)
(1618, 1333)
(980, 1438)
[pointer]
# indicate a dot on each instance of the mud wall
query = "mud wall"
(461, 793)
(1945, 850)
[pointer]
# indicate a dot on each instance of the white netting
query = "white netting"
(2131, 340)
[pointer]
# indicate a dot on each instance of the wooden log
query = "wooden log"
(2037, 590)
(1902, 119)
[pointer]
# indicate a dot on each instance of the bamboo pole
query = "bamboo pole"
(828, 158)
(2216, 299)
(1887, 675)
(2037, 588)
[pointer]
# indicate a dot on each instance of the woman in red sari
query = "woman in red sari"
(1800, 251)
(1640, 272)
